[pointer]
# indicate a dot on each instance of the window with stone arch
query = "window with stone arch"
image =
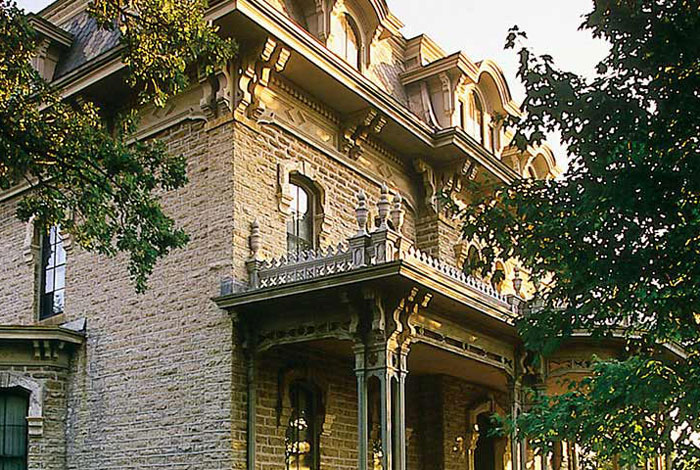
(305, 213)
(473, 256)
(14, 408)
(302, 446)
(349, 42)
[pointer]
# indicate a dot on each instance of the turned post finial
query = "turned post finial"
(361, 212)
(255, 240)
(383, 207)
(517, 281)
(397, 213)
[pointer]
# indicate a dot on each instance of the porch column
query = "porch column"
(518, 453)
(362, 417)
(387, 413)
(400, 403)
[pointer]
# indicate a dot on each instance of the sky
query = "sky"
(479, 28)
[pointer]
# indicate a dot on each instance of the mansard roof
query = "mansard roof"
(89, 42)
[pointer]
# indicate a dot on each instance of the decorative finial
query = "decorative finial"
(397, 213)
(254, 240)
(361, 212)
(517, 282)
(383, 207)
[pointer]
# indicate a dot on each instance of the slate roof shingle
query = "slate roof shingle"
(89, 41)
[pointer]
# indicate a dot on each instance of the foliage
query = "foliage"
(82, 168)
(162, 39)
(615, 244)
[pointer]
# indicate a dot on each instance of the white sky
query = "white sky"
(479, 28)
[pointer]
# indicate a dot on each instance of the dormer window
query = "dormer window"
(477, 129)
(349, 41)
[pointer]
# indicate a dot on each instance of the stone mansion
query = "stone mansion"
(319, 318)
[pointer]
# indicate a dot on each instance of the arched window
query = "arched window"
(296, 12)
(349, 41)
(472, 258)
(53, 274)
(477, 118)
(302, 451)
(462, 115)
(493, 138)
(300, 225)
(14, 407)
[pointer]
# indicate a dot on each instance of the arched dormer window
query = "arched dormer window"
(477, 119)
(472, 257)
(296, 11)
(349, 42)
(302, 450)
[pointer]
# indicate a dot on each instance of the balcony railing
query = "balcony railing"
(384, 244)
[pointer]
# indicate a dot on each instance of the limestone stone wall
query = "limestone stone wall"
(155, 382)
(16, 275)
(258, 153)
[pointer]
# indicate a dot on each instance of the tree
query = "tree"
(82, 169)
(614, 246)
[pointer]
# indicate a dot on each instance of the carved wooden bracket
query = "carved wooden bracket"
(217, 93)
(357, 130)
(448, 180)
(255, 74)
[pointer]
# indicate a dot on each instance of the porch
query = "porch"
(373, 355)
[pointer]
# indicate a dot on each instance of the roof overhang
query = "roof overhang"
(50, 31)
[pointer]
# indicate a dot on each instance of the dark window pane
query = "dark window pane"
(301, 452)
(13, 431)
(300, 222)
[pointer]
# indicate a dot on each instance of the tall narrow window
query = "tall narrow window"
(349, 42)
(477, 130)
(300, 225)
(301, 439)
(470, 261)
(53, 274)
(462, 115)
(13, 430)
(493, 138)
